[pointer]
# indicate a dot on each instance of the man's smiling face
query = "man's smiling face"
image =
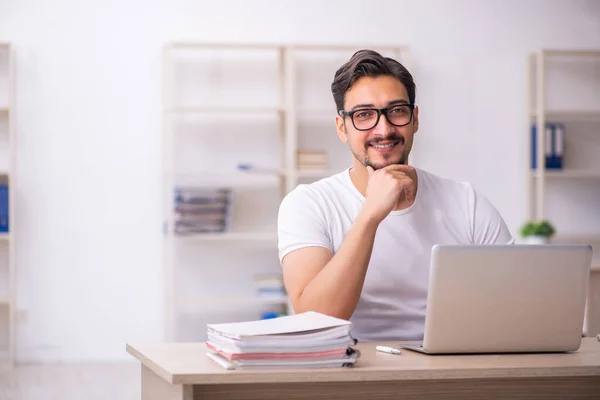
(384, 144)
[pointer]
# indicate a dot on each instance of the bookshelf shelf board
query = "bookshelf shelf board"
(569, 115)
(317, 173)
(568, 173)
(234, 179)
(230, 236)
(193, 300)
(223, 110)
(185, 45)
(317, 110)
(202, 174)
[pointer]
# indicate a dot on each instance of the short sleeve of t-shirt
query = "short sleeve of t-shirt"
(487, 225)
(301, 222)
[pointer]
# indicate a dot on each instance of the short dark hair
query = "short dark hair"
(369, 63)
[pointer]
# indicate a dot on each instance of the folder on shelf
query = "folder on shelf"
(554, 145)
(4, 208)
(306, 340)
(558, 145)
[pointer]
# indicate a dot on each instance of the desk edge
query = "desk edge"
(145, 361)
(343, 375)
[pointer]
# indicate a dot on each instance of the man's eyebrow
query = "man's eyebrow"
(391, 103)
(399, 101)
(363, 106)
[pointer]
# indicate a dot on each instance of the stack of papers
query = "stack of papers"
(307, 340)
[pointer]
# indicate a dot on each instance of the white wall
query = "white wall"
(89, 261)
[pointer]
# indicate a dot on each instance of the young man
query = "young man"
(357, 245)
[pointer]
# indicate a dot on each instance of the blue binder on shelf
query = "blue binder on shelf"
(4, 208)
(555, 145)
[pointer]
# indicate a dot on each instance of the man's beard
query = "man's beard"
(366, 161)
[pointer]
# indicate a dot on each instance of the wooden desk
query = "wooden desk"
(183, 372)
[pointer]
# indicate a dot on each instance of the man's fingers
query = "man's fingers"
(407, 183)
(403, 175)
(399, 167)
(370, 170)
(409, 194)
(399, 175)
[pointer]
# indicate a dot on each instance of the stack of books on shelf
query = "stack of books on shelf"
(202, 210)
(311, 160)
(270, 286)
(307, 340)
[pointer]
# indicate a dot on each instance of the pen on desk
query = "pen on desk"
(386, 349)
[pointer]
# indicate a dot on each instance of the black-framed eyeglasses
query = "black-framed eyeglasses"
(364, 119)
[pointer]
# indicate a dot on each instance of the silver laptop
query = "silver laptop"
(505, 299)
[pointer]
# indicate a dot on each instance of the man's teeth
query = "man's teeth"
(383, 146)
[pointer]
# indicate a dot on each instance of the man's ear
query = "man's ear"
(341, 132)
(416, 119)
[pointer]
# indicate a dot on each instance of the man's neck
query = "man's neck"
(360, 179)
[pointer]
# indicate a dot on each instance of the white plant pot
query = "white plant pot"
(535, 240)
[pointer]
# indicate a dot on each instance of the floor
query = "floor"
(71, 381)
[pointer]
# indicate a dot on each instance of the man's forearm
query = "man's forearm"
(337, 287)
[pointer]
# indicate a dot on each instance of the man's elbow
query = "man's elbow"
(301, 305)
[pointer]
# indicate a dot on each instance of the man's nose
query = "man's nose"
(383, 127)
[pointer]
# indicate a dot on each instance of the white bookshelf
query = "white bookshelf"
(564, 87)
(230, 104)
(7, 177)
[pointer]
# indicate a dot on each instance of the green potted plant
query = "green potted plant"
(537, 232)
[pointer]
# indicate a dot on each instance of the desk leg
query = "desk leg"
(592, 308)
(156, 388)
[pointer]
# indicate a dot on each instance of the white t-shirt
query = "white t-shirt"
(394, 296)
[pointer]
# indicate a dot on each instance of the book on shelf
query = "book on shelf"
(311, 156)
(306, 340)
(311, 160)
(311, 167)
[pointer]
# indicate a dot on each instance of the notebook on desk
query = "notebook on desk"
(307, 340)
(505, 299)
